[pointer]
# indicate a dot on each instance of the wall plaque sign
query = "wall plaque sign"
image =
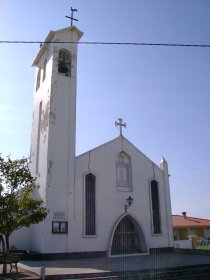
(59, 215)
(122, 175)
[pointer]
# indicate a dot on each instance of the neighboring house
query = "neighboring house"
(185, 227)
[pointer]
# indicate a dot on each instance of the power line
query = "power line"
(110, 43)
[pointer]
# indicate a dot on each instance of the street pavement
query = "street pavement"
(112, 264)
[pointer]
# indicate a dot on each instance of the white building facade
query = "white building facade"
(111, 200)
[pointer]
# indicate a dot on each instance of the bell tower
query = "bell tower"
(53, 131)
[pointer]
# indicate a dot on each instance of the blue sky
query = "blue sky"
(161, 92)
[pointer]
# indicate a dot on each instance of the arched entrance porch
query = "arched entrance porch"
(128, 238)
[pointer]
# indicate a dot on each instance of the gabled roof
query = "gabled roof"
(49, 38)
(179, 221)
(123, 138)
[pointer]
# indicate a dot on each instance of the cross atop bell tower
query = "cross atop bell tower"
(72, 15)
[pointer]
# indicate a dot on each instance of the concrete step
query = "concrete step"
(196, 272)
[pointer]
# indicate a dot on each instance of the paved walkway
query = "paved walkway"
(91, 265)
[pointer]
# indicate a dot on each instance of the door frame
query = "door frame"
(140, 230)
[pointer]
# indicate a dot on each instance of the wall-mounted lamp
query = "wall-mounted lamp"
(129, 201)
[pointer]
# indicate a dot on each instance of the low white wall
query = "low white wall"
(20, 239)
(185, 244)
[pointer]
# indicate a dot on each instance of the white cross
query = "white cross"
(120, 123)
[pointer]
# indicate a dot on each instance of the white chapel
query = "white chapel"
(112, 200)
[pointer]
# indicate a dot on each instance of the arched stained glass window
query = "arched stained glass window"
(155, 207)
(90, 204)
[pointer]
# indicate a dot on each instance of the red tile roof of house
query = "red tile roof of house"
(180, 221)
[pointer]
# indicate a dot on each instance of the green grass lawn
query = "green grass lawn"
(203, 247)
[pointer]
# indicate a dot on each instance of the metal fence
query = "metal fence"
(203, 244)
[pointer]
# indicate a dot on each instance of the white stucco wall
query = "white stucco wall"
(61, 175)
(184, 244)
(110, 201)
(55, 174)
(20, 239)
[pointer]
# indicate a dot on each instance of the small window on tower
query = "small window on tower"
(44, 70)
(38, 79)
(64, 62)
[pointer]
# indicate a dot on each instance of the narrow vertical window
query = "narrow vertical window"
(38, 79)
(155, 207)
(123, 172)
(44, 70)
(38, 138)
(90, 205)
(64, 62)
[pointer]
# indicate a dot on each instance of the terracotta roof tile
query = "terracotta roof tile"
(180, 221)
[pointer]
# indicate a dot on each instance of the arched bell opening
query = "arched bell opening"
(64, 62)
(128, 238)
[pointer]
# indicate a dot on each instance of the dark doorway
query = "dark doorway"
(126, 238)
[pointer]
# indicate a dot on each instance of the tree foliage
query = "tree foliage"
(18, 207)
